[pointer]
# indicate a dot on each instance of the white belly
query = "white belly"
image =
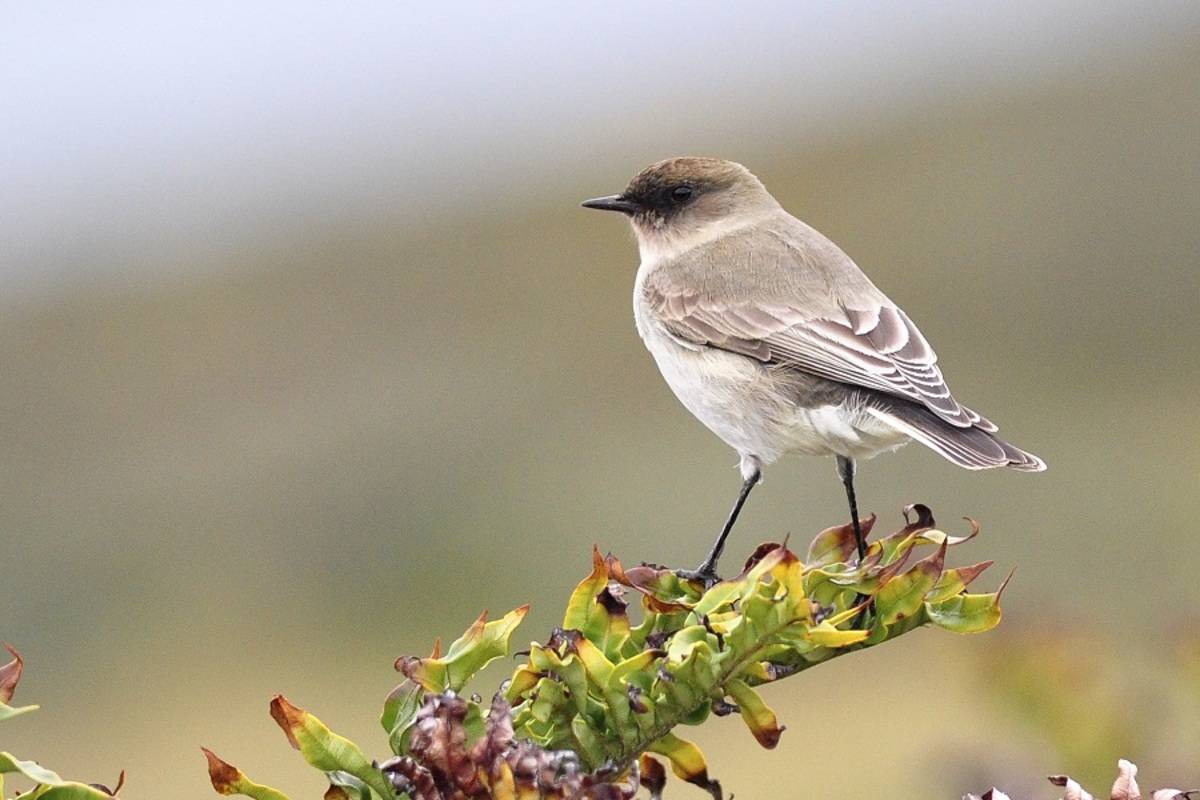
(759, 411)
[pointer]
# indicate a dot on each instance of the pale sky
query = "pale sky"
(134, 135)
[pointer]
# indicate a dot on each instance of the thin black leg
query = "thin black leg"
(708, 570)
(845, 468)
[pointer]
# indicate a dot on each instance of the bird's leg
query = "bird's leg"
(845, 468)
(707, 571)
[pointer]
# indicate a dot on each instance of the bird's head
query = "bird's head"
(680, 202)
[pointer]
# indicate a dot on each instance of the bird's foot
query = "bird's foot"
(706, 575)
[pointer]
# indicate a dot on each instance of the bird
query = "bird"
(770, 335)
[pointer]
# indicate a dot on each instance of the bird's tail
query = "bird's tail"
(971, 447)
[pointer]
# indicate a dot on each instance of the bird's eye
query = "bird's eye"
(681, 193)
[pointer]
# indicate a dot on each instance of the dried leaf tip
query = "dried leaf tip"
(922, 513)
(223, 775)
(1004, 585)
(288, 717)
(10, 674)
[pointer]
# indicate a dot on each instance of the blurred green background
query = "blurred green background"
(309, 354)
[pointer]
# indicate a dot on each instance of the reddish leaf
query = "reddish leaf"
(229, 780)
(10, 674)
(837, 544)
(222, 774)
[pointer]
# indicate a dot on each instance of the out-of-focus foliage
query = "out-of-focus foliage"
(582, 716)
(1122, 700)
(1125, 787)
(46, 784)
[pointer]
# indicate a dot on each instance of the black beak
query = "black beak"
(613, 202)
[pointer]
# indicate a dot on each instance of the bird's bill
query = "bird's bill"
(612, 202)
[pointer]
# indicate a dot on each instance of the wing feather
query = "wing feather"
(876, 346)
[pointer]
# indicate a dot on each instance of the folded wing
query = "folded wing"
(872, 344)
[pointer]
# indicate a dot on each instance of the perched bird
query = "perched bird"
(774, 339)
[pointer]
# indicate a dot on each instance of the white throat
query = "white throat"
(661, 244)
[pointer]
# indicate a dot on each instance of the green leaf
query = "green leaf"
(8, 712)
(886, 550)
(483, 643)
(684, 641)
(967, 613)
(399, 712)
(631, 665)
(720, 595)
(759, 718)
(903, 595)
(599, 668)
(228, 779)
(343, 786)
(590, 745)
(596, 611)
(687, 762)
(324, 749)
(524, 679)
(49, 783)
(749, 581)
(30, 769)
(662, 590)
(696, 646)
(826, 635)
(68, 790)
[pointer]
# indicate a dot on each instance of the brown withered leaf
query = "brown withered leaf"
(222, 774)
(975, 528)
(288, 717)
(611, 598)
(922, 518)
(653, 776)
(758, 554)
(226, 780)
(10, 674)
(615, 570)
(969, 573)
(439, 767)
(411, 778)
(114, 791)
(498, 732)
(439, 740)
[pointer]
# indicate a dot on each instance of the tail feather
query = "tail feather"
(972, 448)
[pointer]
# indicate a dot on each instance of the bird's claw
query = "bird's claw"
(706, 576)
